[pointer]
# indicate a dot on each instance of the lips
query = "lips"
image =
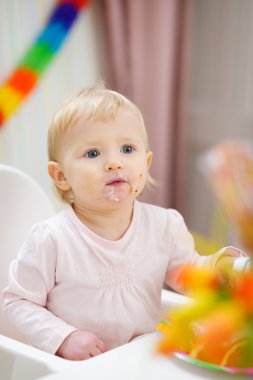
(115, 182)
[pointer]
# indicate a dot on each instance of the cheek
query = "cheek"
(92, 182)
(82, 178)
(139, 179)
(141, 171)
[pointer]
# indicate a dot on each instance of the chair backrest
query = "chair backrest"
(22, 203)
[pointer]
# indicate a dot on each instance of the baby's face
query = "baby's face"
(105, 163)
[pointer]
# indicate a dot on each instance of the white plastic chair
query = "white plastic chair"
(22, 203)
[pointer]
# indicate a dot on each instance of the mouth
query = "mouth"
(116, 189)
(116, 182)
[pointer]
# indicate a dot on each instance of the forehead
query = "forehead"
(125, 123)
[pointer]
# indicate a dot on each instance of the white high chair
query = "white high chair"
(22, 203)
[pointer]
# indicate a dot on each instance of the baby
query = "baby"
(90, 278)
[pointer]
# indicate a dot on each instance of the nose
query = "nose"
(116, 165)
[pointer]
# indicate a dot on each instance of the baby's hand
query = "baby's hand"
(226, 264)
(224, 267)
(80, 345)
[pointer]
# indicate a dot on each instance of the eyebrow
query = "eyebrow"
(91, 142)
(130, 139)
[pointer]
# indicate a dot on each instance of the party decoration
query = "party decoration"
(35, 61)
(228, 167)
(216, 329)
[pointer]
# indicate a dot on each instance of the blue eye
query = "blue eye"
(92, 154)
(127, 149)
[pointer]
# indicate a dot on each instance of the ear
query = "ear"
(149, 158)
(56, 173)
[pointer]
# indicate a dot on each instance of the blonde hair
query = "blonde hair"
(96, 104)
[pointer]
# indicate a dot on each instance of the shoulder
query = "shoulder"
(60, 220)
(160, 214)
(167, 223)
(46, 230)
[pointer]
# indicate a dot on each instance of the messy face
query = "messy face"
(105, 163)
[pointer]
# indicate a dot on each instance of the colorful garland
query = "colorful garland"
(36, 59)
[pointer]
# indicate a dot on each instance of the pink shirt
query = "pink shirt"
(67, 278)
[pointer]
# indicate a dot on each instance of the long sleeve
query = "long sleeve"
(182, 248)
(31, 278)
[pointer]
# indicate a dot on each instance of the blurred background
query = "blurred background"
(187, 64)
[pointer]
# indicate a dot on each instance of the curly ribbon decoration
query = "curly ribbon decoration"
(27, 73)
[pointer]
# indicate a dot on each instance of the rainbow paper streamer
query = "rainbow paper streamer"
(35, 61)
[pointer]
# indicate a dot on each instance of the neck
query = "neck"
(109, 224)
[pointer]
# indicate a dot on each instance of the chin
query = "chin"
(118, 202)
